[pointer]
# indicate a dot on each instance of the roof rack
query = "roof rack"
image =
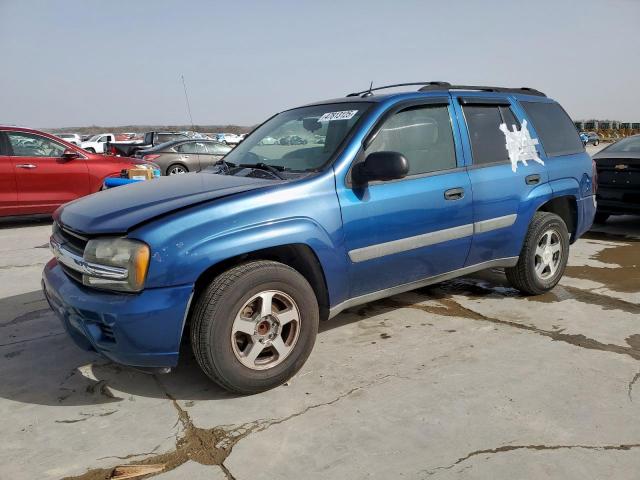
(446, 86)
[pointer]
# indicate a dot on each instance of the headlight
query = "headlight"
(116, 264)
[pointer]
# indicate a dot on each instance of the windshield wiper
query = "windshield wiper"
(275, 169)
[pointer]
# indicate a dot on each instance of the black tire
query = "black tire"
(601, 217)
(216, 309)
(523, 276)
(596, 143)
(174, 166)
(91, 150)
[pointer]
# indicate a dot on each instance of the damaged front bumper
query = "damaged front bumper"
(141, 330)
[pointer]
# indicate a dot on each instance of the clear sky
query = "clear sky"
(118, 62)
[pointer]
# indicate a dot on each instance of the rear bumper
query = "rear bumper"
(618, 200)
(141, 330)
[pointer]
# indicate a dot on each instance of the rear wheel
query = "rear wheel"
(601, 217)
(596, 143)
(177, 169)
(543, 257)
(254, 326)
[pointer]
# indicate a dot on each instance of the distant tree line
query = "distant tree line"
(94, 129)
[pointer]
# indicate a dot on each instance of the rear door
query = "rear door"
(8, 189)
(502, 190)
(45, 179)
(403, 231)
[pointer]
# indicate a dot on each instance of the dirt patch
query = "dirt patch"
(624, 278)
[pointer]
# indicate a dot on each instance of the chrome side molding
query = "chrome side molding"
(388, 292)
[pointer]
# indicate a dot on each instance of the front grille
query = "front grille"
(70, 239)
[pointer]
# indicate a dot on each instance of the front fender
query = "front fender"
(187, 243)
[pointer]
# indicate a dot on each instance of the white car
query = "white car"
(231, 138)
(70, 137)
(96, 143)
(269, 141)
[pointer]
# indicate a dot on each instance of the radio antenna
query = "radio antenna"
(186, 97)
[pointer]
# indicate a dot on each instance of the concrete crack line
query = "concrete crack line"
(510, 448)
(635, 378)
(452, 308)
(212, 446)
(7, 267)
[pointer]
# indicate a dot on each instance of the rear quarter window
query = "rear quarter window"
(555, 129)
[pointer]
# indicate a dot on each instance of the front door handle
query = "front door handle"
(454, 194)
(532, 179)
(26, 165)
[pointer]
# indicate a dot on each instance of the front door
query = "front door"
(44, 178)
(8, 190)
(401, 231)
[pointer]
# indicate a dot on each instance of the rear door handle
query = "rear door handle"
(26, 165)
(532, 179)
(454, 194)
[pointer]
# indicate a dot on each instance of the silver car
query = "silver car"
(183, 156)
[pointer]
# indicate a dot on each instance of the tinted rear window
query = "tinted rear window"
(557, 132)
(487, 141)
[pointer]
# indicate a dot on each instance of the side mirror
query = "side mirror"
(69, 154)
(381, 166)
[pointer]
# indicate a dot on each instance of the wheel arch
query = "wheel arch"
(566, 207)
(298, 256)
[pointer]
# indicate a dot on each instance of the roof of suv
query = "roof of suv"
(428, 89)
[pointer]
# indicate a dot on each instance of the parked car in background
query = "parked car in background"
(39, 171)
(590, 138)
(409, 189)
(150, 139)
(292, 140)
(97, 143)
(268, 141)
(618, 167)
(70, 137)
(228, 138)
(183, 156)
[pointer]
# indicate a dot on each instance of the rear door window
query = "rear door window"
(488, 144)
(555, 129)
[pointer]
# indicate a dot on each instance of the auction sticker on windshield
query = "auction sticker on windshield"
(343, 115)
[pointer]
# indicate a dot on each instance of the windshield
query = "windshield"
(631, 144)
(95, 138)
(303, 139)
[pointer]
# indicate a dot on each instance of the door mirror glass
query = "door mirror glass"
(69, 154)
(381, 166)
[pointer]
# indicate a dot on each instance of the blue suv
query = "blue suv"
(390, 192)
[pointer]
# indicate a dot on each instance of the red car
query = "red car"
(39, 172)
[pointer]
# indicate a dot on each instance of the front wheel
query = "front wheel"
(543, 257)
(254, 326)
(90, 150)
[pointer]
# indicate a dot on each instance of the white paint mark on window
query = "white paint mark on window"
(520, 145)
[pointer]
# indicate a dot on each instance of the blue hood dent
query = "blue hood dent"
(118, 209)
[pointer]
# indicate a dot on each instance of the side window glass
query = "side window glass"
(557, 132)
(217, 149)
(509, 118)
(191, 147)
(31, 145)
(423, 135)
(488, 144)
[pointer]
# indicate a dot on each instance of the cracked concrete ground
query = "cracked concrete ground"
(466, 379)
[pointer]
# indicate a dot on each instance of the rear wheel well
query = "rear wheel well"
(566, 208)
(298, 256)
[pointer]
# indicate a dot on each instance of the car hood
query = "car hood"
(119, 209)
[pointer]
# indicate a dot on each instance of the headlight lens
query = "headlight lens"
(122, 253)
